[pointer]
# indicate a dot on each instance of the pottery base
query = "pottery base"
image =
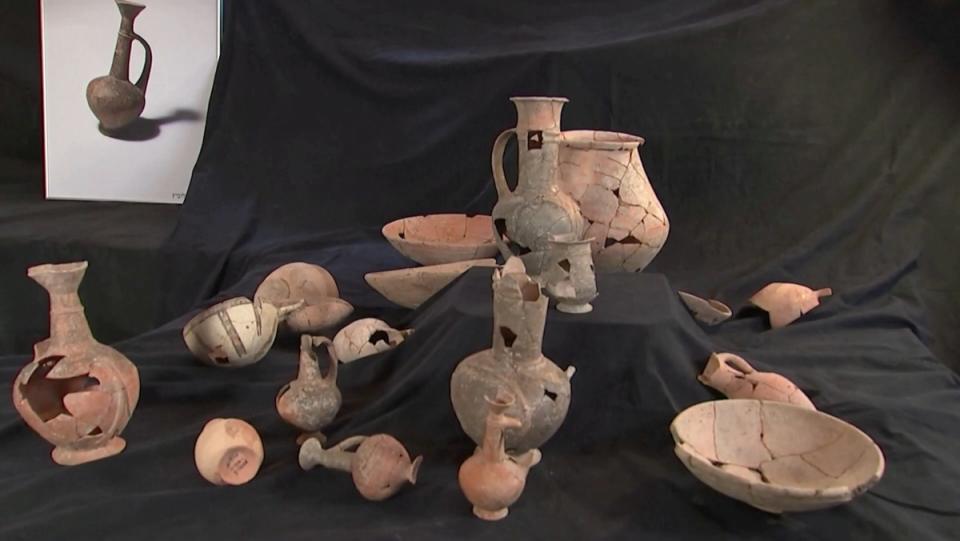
(496, 514)
(68, 456)
(574, 308)
(307, 435)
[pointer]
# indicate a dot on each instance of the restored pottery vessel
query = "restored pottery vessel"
(442, 238)
(709, 311)
(515, 364)
(775, 456)
(412, 287)
(491, 479)
(568, 275)
(228, 452)
(311, 401)
(76, 393)
(733, 376)
(786, 302)
(380, 465)
(236, 332)
(525, 218)
(603, 173)
(365, 337)
(114, 100)
(322, 308)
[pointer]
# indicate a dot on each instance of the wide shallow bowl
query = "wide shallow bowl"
(411, 287)
(442, 238)
(775, 456)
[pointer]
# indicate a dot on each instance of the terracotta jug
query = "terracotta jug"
(114, 100)
(733, 376)
(311, 401)
(569, 275)
(524, 219)
(491, 479)
(380, 465)
(77, 393)
(514, 364)
(603, 173)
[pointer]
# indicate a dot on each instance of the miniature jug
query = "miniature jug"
(380, 465)
(733, 376)
(491, 479)
(524, 219)
(311, 401)
(114, 100)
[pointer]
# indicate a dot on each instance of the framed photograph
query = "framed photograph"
(125, 92)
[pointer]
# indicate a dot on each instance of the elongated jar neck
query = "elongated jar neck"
(336, 459)
(538, 134)
(67, 320)
(493, 448)
(309, 366)
(519, 316)
(120, 69)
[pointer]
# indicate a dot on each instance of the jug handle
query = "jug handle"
(496, 162)
(147, 64)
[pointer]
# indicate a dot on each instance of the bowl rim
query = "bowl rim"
(488, 241)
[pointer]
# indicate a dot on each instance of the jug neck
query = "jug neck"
(68, 324)
(519, 316)
(120, 68)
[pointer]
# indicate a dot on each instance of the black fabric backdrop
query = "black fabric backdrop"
(807, 141)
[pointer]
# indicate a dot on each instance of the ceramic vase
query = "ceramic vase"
(569, 275)
(525, 218)
(114, 100)
(380, 465)
(491, 479)
(77, 393)
(515, 364)
(603, 173)
(311, 401)
(228, 452)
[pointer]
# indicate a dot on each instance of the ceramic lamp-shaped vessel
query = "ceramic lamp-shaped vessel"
(525, 218)
(515, 364)
(492, 479)
(569, 275)
(380, 465)
(311, 401)
(114, 100)
(77, 393)
(228, 452)
(602, 172)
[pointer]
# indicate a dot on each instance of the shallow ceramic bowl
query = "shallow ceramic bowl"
(411, 287)
(233, 333)
(775, 456)
(442, 238)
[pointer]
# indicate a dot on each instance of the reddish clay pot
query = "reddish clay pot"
(77, 393)
(380, 465)
(311, 401)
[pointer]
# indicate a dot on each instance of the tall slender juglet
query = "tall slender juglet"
(77, 393)
(115, 100)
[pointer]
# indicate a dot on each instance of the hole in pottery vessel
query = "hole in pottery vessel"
(530, 292)
(220, 359)
(516, 249)
(630, 239)
(534, 139)
(379, 336)
(509, 337)
(96, 431)
(609, 242)
(402, 235)
(564, 264)
(617, 193)
(45, 395)
(550, 394)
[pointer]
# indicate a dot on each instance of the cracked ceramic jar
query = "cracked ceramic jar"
(525, 218)
(569, 275)
(516, 365)
(77, 393)
(114, 100)
(603, 173)
(311, 401)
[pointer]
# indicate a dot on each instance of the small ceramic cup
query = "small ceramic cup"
(228, 452)
(569, 275)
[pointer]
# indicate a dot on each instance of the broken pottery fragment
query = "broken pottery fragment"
(709, 311)
(515, 364)
(442, 238)
(365, 337)
(775, 456)
(76, 393)
(236, 332)
(786, 302)
(491, 479)
(322, 308)
(380, 465)
(525, 218)
(733, 376)
(411, 287)
(602, 172)
(311, 401)
(568, 275)
(228, 452)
